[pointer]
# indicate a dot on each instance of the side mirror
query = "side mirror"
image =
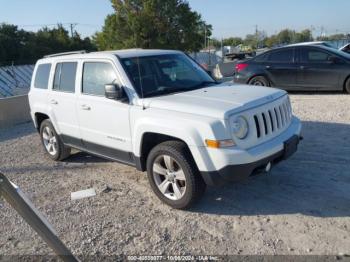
(114, 91)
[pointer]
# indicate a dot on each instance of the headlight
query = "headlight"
(240, 127)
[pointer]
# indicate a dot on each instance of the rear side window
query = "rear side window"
(65, 74)
(314, 56)
(283, 56)
(42, 76)
(95, 76)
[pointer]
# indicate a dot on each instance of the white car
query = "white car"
(159, 111)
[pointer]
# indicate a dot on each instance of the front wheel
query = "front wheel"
(173, 175)
(259, 81)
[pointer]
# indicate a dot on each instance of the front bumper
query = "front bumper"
(238, 164)
(236, 173)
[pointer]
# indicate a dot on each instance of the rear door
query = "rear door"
(104, 123)
(316, 71)
(281, 69)
(62, 100)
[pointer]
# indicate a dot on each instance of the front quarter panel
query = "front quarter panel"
(191, 129)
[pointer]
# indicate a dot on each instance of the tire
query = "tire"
(259, 81)
(347, 86)
(52, 142)
(177, 175)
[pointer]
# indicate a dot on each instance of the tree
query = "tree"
(24, 47)
(169, 24)
(303, 36)
(232, 41)
(334, 37)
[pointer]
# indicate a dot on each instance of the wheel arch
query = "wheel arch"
(39, 118)
(345, 82)
(148, 141)
(261, 75)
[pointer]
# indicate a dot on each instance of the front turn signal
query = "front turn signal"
(219, 143)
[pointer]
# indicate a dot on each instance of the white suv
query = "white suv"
(160, 111)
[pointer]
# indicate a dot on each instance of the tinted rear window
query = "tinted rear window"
(42, 76)
(284, 56)
(65, 77)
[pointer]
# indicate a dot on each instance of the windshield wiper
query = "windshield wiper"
(172, 90)
(204, 84)
(166, 91)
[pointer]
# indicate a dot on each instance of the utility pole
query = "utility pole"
(222, 49)
(72, 25)
(205, 37)
(257, 36)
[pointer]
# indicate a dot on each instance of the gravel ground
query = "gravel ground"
(301, 207)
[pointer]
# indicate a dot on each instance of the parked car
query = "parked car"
(160, 111)
(298, 67)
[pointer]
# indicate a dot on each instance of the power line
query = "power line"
(55, 24)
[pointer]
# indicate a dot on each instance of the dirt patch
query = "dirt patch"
(301, 207)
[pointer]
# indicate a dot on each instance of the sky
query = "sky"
(228, 17)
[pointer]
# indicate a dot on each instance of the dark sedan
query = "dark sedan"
(298, 68)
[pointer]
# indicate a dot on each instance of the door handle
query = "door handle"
(86, 107)
(303, 67)
(268, 67)
(54, 102)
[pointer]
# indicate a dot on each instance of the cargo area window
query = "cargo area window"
(65, 74)
(42, 76)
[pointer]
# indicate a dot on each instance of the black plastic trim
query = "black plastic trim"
(236, 173)
(127, 158)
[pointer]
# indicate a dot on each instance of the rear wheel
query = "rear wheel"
(173, 175)
(52, 143)
(259, 81)
(347, 86)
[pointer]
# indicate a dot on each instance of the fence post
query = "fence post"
(16, 198)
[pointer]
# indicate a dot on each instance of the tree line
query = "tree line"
(23, 47)
(284, 37)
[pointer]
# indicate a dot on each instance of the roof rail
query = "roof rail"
(67, 53)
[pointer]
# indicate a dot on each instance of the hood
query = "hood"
(216, 102)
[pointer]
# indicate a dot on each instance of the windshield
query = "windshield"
(165, 74)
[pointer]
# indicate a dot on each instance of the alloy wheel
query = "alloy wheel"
(50, 141)
(169, 177)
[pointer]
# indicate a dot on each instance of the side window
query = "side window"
(314, 56)
(95, 76)
(283, 56)
(65, 77)
(42, 76)
(260, 58)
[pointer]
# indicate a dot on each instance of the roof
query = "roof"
(308, 43)
(125, 53)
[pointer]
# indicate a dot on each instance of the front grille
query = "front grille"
(273, 120)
